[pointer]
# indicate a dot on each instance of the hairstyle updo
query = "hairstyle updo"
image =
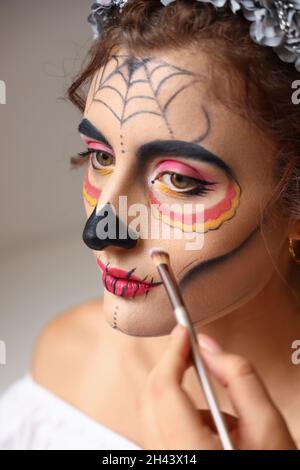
(147, 26)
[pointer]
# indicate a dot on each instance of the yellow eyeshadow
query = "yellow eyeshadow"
(166, 190)
(103, 172)
(211, 224)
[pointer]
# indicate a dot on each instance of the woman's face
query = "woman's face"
(159, 139)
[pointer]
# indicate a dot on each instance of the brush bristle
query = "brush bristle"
(159, 256)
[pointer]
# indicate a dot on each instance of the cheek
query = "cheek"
(211, 217)
(230, 270)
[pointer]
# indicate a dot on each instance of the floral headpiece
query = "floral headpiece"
(274, 23)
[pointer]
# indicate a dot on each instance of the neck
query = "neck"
(263, 331)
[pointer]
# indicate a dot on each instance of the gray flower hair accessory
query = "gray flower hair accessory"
(274, 23)
(101, 12)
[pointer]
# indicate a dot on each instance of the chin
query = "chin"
(141, 316)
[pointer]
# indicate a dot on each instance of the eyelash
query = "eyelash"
(201, 189)
(89, 153)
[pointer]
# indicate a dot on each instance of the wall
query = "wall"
(44, 265)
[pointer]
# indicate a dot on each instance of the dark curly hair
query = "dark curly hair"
(145, 26)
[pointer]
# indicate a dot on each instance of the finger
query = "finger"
(174, 361)
(261, 425)
(207, 418)
(177, 358)
(158, 383)
(167, 407)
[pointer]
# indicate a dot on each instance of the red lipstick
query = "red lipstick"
(124, 283)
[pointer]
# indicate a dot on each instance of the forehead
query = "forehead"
(149, 74)
(135, 99)
(132, 92)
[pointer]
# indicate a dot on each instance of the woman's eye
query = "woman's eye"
(184, 184)
(181, 182)
(100, 159)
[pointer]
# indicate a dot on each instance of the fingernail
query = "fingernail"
(177, 330)
(209, 344)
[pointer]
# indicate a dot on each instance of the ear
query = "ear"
(294, 230)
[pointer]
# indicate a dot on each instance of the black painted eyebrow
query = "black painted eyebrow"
(88, 129)
(156, 148)
(180, 148)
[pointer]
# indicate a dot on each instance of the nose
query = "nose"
(104, 229)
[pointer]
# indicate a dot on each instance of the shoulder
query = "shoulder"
(61, 345)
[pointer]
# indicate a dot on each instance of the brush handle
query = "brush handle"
(183, 318)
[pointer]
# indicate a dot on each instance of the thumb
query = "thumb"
(261, 426)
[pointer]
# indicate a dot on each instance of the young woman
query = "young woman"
(186, 110)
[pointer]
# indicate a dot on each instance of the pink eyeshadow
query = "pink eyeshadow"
(174, 166)
(93, 144)
(90, 189)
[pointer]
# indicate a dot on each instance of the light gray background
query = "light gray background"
(44, 265)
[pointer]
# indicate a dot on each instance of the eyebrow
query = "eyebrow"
(89, 130)
(172, 148)
(183, 149)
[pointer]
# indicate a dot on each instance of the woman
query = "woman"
(185, 113)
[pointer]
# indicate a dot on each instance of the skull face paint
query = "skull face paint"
(158, 134)
(220, 197)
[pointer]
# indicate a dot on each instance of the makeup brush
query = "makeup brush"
(161, 260)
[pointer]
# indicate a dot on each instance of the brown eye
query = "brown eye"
(179, 183)
(101, 159)
(182, 182)
(185, 185)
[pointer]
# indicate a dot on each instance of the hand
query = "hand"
(169, 419)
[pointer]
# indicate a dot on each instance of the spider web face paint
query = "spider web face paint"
(135, 71)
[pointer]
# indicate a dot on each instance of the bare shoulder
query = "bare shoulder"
(60, 348)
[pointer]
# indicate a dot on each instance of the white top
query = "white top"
(32, 417)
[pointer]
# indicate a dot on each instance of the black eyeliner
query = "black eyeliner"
(84, 154)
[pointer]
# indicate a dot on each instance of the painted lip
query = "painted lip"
(124, 283)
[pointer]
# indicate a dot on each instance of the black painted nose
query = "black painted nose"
(106, 229)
